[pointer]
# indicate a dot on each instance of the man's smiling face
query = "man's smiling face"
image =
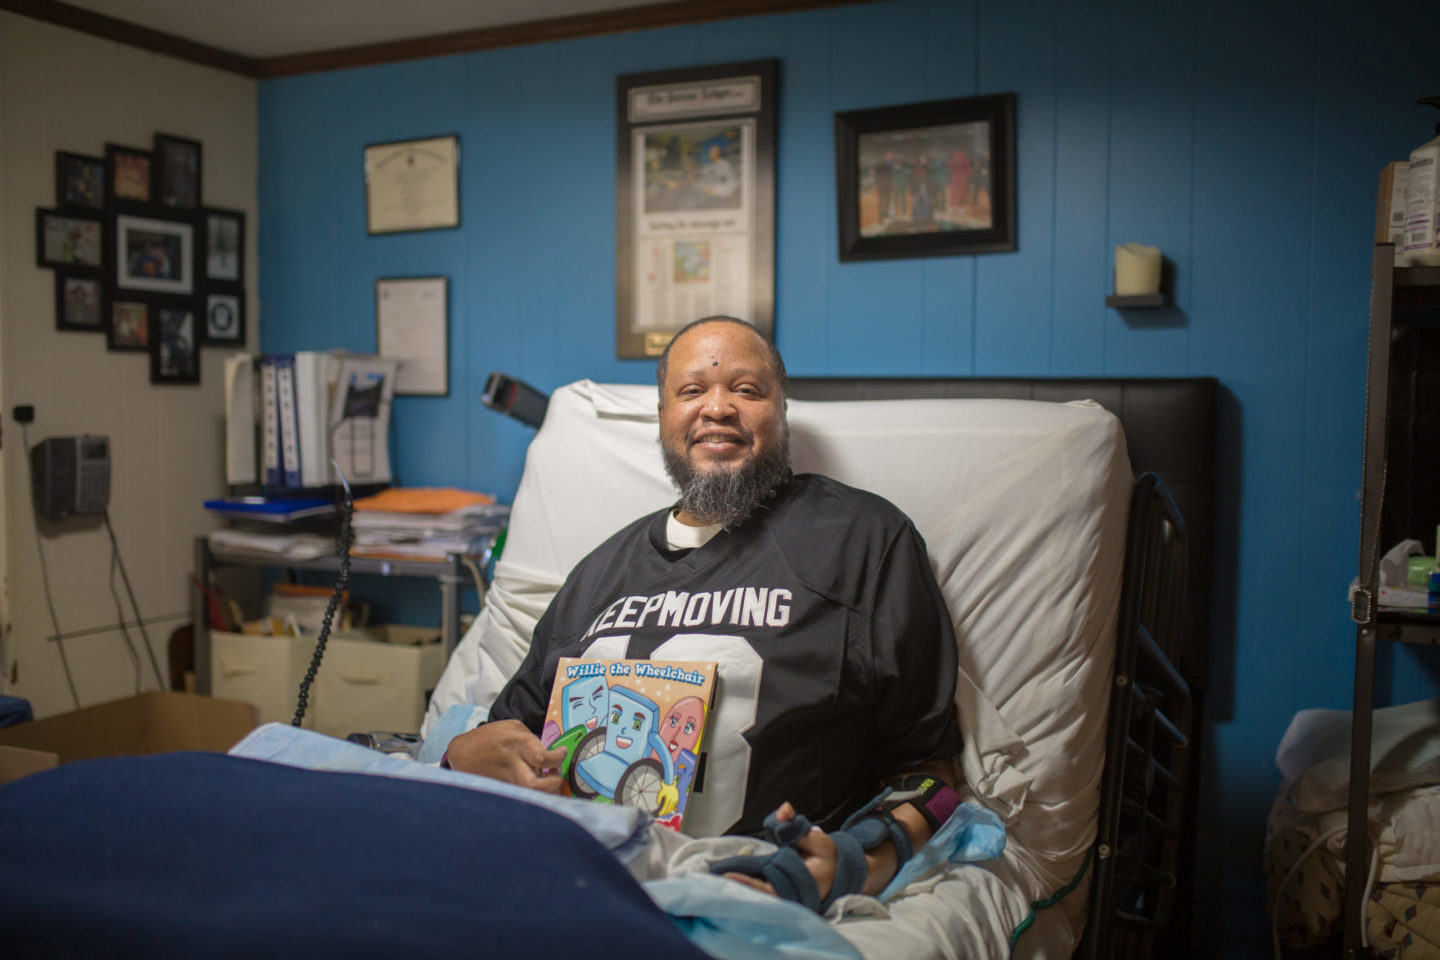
(721, 406)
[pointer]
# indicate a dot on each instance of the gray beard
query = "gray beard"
(728, 497)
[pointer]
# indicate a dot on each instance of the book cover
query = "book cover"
(632, 730)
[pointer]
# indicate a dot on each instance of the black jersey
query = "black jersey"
(837, 656)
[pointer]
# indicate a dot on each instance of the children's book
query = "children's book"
(631, 730)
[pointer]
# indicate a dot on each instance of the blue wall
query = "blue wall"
(1244, 139)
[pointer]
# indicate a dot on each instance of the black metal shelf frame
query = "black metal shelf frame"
(450, 574)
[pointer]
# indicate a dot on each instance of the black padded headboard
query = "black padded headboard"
(1169, 429)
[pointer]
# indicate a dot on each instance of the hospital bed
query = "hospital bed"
(1084, 749)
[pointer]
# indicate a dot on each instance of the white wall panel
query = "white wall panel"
(63, 90)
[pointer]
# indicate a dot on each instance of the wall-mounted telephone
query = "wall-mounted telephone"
(70, 476)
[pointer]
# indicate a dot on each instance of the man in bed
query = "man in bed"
(837, 654)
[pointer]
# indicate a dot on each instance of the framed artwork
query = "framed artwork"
(68, 240)
(174, 343)
(695, 201)
(412, 185)
(175, 172)
(129, 171)
(127, 324)
(224, 236)
(79, 300)
(927, 179)
(224, 318)
(154, 255)
(412, 325)
(79, 182)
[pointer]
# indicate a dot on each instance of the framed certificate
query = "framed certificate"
(695, 201)
(412, 326)
(412, 185)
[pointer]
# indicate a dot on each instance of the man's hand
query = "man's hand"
(818, 852)
(815, 848)
(506, 750)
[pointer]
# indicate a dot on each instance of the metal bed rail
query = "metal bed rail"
(1143, 804)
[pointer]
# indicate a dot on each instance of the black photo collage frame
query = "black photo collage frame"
(138, 257)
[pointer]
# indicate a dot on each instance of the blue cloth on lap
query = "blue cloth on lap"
(204, 855)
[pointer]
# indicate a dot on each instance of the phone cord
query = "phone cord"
(346, 535)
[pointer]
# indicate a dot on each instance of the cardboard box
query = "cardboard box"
(154, 722)
(17, 762)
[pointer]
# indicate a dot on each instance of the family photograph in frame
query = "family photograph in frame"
(176, 172)
(174, 344)
(224, 245)
(79, 182)
(67, 240)
(927, 179)
(127, 325)
(154, 255)
(129, 172)
(78, 302)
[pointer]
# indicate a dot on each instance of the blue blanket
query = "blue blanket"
(201, 855)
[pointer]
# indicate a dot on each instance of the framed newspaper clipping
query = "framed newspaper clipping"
(695, 201)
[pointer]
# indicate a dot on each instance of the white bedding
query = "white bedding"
(1023, 508)
(1306, 832)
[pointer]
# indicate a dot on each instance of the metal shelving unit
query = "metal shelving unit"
(1415, 293)
(450, 574)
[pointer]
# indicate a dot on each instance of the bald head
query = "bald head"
(777, 364)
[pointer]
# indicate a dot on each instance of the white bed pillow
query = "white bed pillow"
(1022, 505)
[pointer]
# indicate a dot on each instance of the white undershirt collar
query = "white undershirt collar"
(682, 536)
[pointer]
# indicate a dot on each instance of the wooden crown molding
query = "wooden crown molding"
(123, 31)
(647, 17)
(627, 19)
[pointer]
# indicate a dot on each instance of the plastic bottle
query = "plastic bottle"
(1421, 201)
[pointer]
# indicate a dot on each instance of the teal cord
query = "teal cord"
(1050, 901)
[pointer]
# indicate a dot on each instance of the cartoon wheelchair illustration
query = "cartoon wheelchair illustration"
(624, 761)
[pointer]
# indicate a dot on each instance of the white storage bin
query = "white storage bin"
(367, 684)
(264, 671)
(377, 679)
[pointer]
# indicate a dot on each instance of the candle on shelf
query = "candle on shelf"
(1137, 269)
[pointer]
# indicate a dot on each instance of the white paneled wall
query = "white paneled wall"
(63, 90)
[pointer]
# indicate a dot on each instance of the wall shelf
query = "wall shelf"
(450, 574)
(1417, 276)
(1137, 301)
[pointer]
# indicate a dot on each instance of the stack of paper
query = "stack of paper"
(426, 523)
(277, 546)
